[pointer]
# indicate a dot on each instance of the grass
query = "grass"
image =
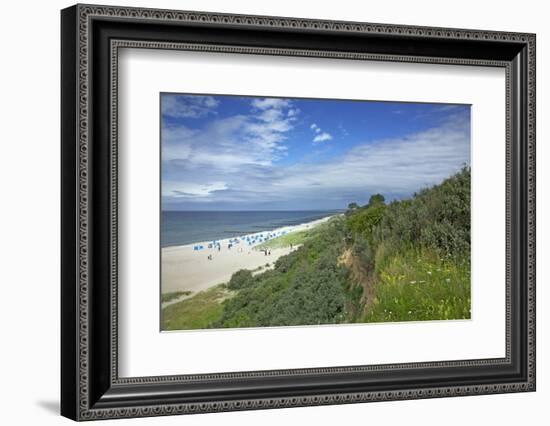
(196, 312)
(167, 297)
(299, 237)
(417, 285)
(286, 240)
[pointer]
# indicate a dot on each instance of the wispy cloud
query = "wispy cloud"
(270, 103)
(178, 106)
(191, 190)
(196, 161)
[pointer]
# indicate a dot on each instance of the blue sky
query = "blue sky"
(256, 153)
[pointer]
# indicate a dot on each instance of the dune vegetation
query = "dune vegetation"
(407, 260)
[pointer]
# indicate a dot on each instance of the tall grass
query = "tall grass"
(196, 312)
(418, 285)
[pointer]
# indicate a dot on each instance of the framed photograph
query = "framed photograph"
(263, 212)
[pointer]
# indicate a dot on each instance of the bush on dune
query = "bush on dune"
(306, 286)
(240, 279)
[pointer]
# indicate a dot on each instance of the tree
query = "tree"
(353, 206)
(376, 199)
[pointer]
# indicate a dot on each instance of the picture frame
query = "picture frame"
(91, 37)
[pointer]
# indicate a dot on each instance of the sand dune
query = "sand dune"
(184, 269)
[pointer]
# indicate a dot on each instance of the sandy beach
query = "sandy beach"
(184, 268)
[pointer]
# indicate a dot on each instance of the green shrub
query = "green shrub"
(307, 286)
(438, 218)
(364, 220)
(240, 279)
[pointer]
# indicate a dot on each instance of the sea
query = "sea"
(186, 227)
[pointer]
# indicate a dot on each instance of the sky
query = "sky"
(257, 153)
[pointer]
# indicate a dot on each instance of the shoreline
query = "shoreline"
(287, 228)
(190, 268)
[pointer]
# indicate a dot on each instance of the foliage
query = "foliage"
(397, 244)
(240, 279)
(365, 219)
(353, 206)
(376, 199)
(306, 286)
(437, 218)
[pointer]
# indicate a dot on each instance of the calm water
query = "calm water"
(179, 227)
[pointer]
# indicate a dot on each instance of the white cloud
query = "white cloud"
(267, 103)
(293, 112)
(321, 137)
(231, 162)
(315, 128)
(191, 190)
(395, 167)
(228, 144)
(191, 106)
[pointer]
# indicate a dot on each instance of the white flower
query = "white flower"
(448, 280)
(429, 272)
(412, 282)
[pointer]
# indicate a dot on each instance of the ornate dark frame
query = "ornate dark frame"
(91, 37)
